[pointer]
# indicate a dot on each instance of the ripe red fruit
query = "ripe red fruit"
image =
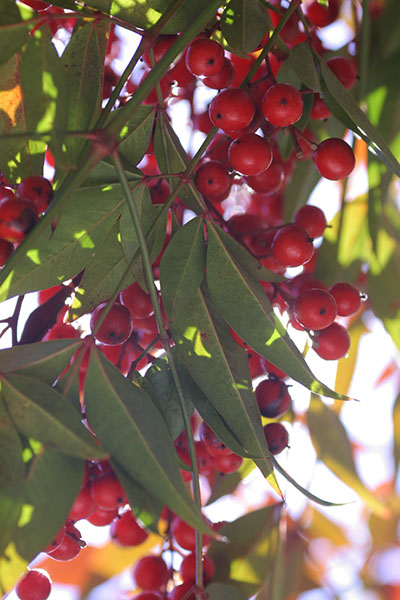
(212, 179)
(107, 492)
(185, 535)
(269, 181)
(181, 590)
(161, 45)
(321, 15)
(344, 69)
(227, 463)
(315, 309)
(232, 109)
(334, 159)
(292, 246)
(116, 327)
(6, 192)
(56, 541)
(70, 546)
(151, 573)
(348, 298)
(126, 531)
(223, 78)
(282, 105)
(148, 596)
(102, 517)
(204, 57)
(211, 442)
(273, 398)
(17, 217)
(37, 190)
(6, 249)
(84, 505)
(312, 219)
(276, 436)
(320, 110)
(250, 154)
(332, 343)
(34, 585)
(188, 568)
(137, 301)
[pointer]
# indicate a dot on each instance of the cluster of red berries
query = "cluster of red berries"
(19, 211)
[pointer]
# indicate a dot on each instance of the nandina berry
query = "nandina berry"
(292, 246)
(107, 492)
(57, 540)
(304, 281)
(250, 154)
(344, 69)
(17, 217)
(282, 105)
(71, 545)
(332, 343)
(269, 181)
(182, 590)
(273, 398)
(348, 298)
(188, 568)
(6, 249)
(84, 505)
(116, 327)
(211, 442)
(37, 190)
(232, 109)
(229, 463)
(312, 219)
(148, 596)
(212, 179)
(34, 585)
(223, 78)
(161, 45)
(334, 159)
(126, 531)
(204, 57)
(315, 309)
(137, 301)
(185, 535)
(322, 15)
(102, 517)
(6, 192)
(320, 111)
(151, 573)
(276, 436)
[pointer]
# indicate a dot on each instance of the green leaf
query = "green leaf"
(14, 33)
(357, 120)
(302, 62)
(40, 412)
(225, 484)
(55, 255)
(244, 24)
(334, 449)
(83, 61)
(163, 392)
(148, 12)
(172, 158)
(247, 559)
(136, 135)
(244, 304)
(102, 274)
(12, 476)
(130, 427)
(224, 591)
(52, 485)
(44, 360)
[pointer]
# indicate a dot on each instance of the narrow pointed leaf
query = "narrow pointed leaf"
(334, 449)
(224, 591)
(39, 411)
(244, 24)
(12, 476)
(52, 485)
(302, 62)
(136, 135)
(14, 33)
(245, 306)
(226, 483)
(130, 427)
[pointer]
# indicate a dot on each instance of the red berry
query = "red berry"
(37, 190)
(344, 69)
(320, 111)
(102, 517)
(292, 246)
(151, 573)
(276, 436)
(315, 309)
(188, 568)
(211, 442)
(273, 398)
(17, 217)
(107, 492)
(312, 219)
(269, 181)
(332, 343)
(181, 590)
(148, 596)
(6, 249)
(334, 159)
(321, 15)
(204, 57)
(250, 154)
(348, 298)
(56, 541)
(282, 105)
(70, 546)
(212, 179)
(232, 109)
(126, 531)
(161, 45)
(116, 327)
(223, 78)
(35, 585)
(227, 463)
(84, 505)
(6, 192)
(185, 535)
(137, 301)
